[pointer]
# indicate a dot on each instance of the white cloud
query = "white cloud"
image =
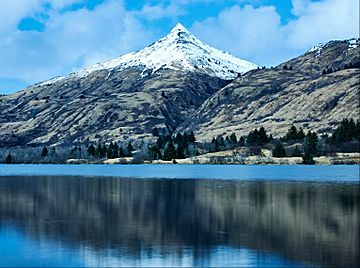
(256, 34)
(71, 40)
(322, 21)
(11, 12)
(152, 12)
(247, 32)
(105, 32)
(74, 39)
(62, 3)
(299, 7)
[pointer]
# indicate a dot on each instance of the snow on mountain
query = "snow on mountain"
(353, 43)
(179, 50)
(316, 48)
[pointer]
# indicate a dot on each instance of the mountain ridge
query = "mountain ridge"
(314, 91)
(127, 104)
(179, 50)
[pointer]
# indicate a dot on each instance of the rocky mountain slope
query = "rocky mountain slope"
(180, 84)
(159, 86)
(313, 91)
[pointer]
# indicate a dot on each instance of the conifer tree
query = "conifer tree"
(310, 143)
(180, 152)
(8, 159)
(347, 130)
(115, 150)
(160, 142)
(241, 141)
(121, 152)
(52, 153)
(155, 152)
(233, 138)
(98, 150)
(44, 152)
(292, 133)
(263, 137)
(253, 137)
(178, 138)
(215, 145)
(296, 152)
(257, 137)
(101, 151)
(185, 139)
(279, 150)
(109, 152)
(169, 152)
(91, 150)
(221, 141)
(300, 134)
(192, 137)
(130, 148)
(308, 158)
(155, 132)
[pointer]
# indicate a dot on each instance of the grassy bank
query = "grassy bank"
(232, 157)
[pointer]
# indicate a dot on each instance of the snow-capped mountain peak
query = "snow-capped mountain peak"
(178, 50)
(178, 28)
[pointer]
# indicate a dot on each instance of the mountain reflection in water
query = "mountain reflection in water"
(307, 223)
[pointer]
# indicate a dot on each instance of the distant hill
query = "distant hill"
(314, 91)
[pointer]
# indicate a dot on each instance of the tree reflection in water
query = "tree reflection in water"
(311, 223)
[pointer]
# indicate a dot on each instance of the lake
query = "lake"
(173, 215)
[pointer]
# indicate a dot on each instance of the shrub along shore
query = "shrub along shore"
(342, 146)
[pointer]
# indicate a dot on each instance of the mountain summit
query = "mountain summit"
(179, 84)
(179, 50)
(125, 98)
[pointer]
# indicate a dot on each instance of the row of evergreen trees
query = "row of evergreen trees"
(113, 150)
(220, 143)
(347, 131)
(309, 146)
(255, 138)
(168, 147)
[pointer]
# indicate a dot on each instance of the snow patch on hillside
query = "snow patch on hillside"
(353, 43)
(51, 81)
(317, 49)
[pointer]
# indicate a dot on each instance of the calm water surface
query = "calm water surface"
(338, 173)
(242, 216)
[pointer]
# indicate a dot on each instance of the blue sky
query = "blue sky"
(41, 39)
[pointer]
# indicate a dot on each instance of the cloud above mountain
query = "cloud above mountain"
(258, 34)
(64, 35)
(70, 40)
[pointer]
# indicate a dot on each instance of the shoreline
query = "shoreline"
(303, 173)
(220, 158)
